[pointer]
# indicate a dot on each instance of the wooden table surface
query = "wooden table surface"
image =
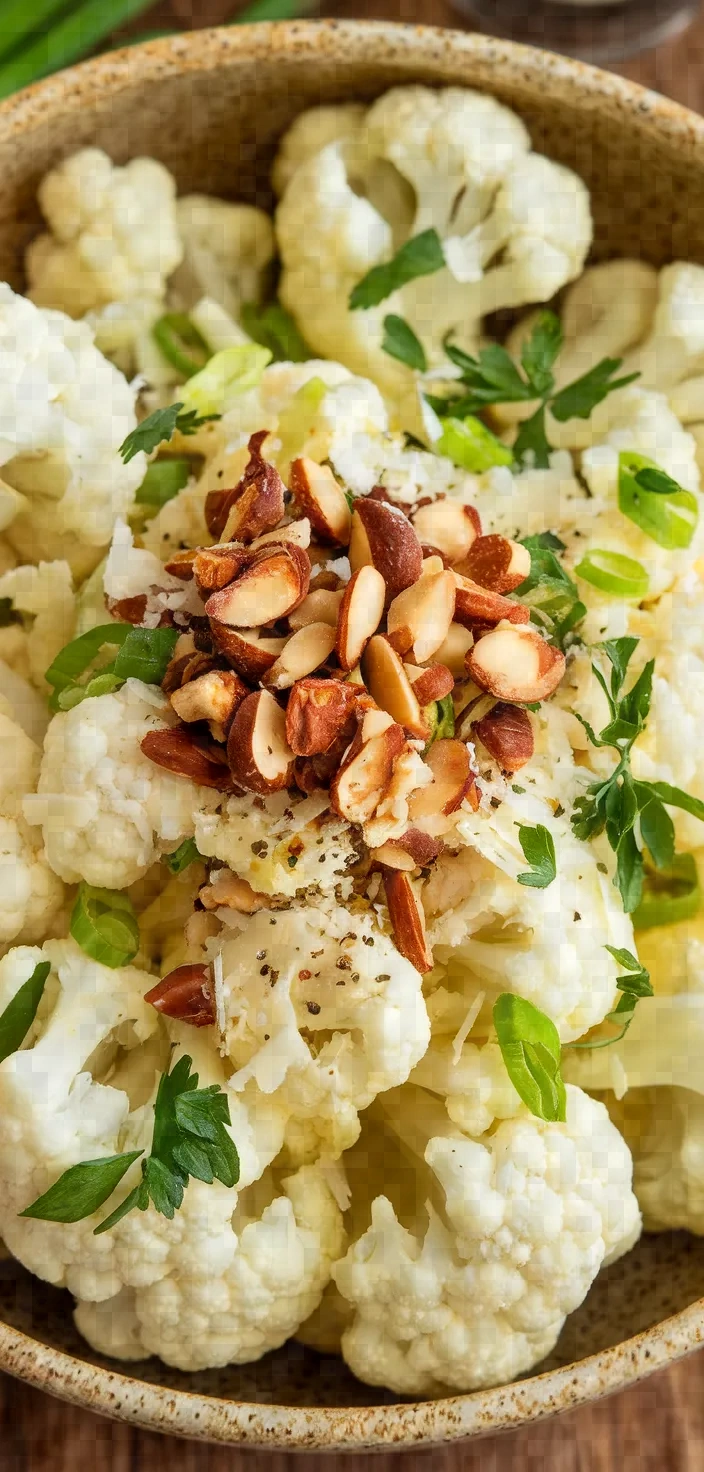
(656, 1427)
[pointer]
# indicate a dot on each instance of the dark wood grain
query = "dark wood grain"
(656, 1427)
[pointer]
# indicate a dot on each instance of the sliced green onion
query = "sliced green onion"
(104, 925)
(180, 342)
(668, 515)
(75, 658)
(49, 47)
(669, 895)
(145, 655)
(613, 573)
(274, 328)
(183, 856)
(297, 420)
(103, 684)
(469, 444)
(163, 480)
(20, 1013)
(440, 715)
(228, 374)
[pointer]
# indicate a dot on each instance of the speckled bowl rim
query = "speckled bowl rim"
(426, 1423)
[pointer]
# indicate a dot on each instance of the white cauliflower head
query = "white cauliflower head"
(323, 1013)
(226, 250)
(30, 894)
(475, 1290)
(106, 810)
(44, 596)
(64, 412)
(516, 227)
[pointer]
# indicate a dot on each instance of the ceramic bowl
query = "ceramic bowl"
(211, 105)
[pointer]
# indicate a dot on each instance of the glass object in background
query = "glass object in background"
(587, 29)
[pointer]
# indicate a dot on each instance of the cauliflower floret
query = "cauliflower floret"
(518, 1224)
(30, 894)
(311, 131)
(113, 244)
(323, 1013)
(64, 411)
(258, 838)
(548, 945)
(44, 594)
(106, 810)
(226, 251)
(452, 160)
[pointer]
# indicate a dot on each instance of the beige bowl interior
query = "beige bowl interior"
(211, 106)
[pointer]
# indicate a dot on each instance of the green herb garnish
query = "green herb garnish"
(161, 426)
(20, 1013)
(420, 256)
(183, 856)
(530, 1048)
(634, 985)
(400, 342)
(538, 851)
(104, 925)
(274, 328)
(550, 593)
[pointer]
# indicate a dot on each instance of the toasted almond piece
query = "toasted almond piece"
(176, 670)
(318, 712)
(407, 920)
(386, 539)
(303, 653)
(253, 506)
(507, 733)
(516, 665)
(453, 779)
(362, 780)
(175, 749)
(187, 994)
(322, 499)
(454, 648)
(361, 611)
(419, 618)
(432, 560)
(249, 655)
(228, 891)
(434, 683)
(180, 564)
(389, 685)
(476, 605)
(213, 696)
(297, 532)
(412, 850)
(215, 567)
(496, 563)
(259, 755)
(319, 607)
(218, 504)
(392, 856)
(273, 584)
(447, 525)
(127, 610)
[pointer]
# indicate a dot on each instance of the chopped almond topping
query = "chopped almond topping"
(319, 607)
(389, 685)
(250, 655)
(259, 755)
(496, 563)
(215, 567)
(454, 648)
(253, 506)
(303, 653)
(322, 499)
(318, 712)
(176, 749)
(180, 564)
(507, 733)
(453, 781)
(213, 696)
(361, 611)
(364, 777)
(386, 539)
(448, 526)
(297, 532)
(434, 683)
(419, 618)
(186, 994)
(407, 920)
(271, 586)
(476, 605)
(516, 665)
(227, 891)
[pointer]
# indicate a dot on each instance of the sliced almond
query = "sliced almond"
(227, 891)
(303, 653)
(273, 584)
(187, 994)
(407, 920)
(392, 856)
(413, 850)
(176, 749)
(385, 538)
(219, 504)
(361, 782)
(297, 532)
(447, 525)
(432, 560)
(322, 499)
(507, 733)
(317, 713)
(476, 605)
(253, 506)
(453, 780)
(127, 610)
(185, 667)
(361, 611)
(249, 655)
(516, 665)
(213, 696)
(420, 617)
(432, 684)
(180, 564)
(259, 755)
(496, 563)
(215, 567)
(389, 685)
(454, 648)
(319, 607)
